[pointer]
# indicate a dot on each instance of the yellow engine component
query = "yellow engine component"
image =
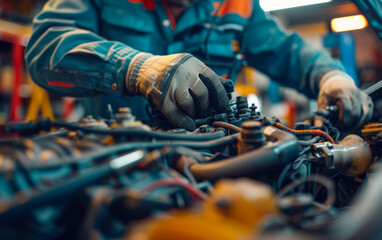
(233, 211)
(373, 133)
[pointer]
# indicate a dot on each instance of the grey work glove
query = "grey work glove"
(355, 107)
(180, 86)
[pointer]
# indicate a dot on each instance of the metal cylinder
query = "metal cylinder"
(352, 154)
(251, 137)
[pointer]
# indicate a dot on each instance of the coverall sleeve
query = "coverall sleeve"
(66, 56)
(285, 57)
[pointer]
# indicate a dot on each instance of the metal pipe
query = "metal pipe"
(352, 154)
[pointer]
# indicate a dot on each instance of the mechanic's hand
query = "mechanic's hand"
(180, 86)
(355, 107)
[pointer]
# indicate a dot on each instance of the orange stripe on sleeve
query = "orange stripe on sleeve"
(240, 7)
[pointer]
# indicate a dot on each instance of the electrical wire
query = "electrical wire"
(226, 125)
(177, 182)
(304, 132)
(186, 170)
(322, 128)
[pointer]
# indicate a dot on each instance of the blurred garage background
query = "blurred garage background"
(350, 40)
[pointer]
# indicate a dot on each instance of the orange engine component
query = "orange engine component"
(233, 211)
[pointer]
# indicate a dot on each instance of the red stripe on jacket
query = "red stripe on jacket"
(147, 4)
(61, 84)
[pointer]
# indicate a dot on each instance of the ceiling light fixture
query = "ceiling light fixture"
(349, 23)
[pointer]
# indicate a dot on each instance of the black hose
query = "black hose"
(51, 135)
(307, 143)
(267, 158)
(119, 148)
(143, 133)
(45, 124)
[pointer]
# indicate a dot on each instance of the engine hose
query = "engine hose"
(143, 133)
(130, 132)
(307, 143)
(120, 148)
(226, 125)
(305, 132)
(283, 149)
(51, 135)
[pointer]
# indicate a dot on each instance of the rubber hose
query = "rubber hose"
(124, 147)
(283, 149)
(144, 133)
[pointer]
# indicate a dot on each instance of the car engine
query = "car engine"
(239, 175)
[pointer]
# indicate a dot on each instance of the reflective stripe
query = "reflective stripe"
(224, 27)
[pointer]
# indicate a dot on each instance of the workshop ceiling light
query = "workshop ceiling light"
(272, 5)
(350, 23)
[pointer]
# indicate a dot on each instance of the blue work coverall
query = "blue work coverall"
(84, 47)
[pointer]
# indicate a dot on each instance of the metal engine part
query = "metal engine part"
(120, 178)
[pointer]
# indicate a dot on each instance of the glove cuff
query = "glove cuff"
(145, 70)
(133, 71)
(338, 76)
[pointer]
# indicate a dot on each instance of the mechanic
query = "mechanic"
(119, 51)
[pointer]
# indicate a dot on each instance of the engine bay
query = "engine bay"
(239, 175)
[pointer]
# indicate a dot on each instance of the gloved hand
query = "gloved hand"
(355, 107)
(180, 86)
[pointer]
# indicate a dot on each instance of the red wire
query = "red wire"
(195, 192)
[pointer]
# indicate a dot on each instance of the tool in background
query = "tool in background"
(39, 101)
(375, 91)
